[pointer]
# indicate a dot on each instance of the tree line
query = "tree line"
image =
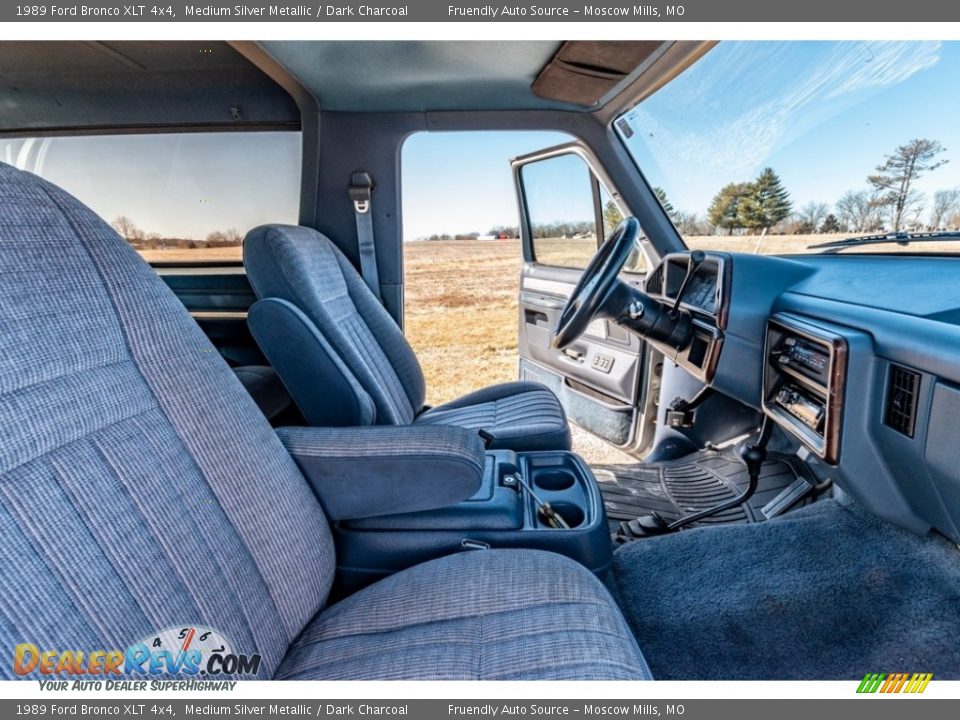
(889, 202)
(143, 240)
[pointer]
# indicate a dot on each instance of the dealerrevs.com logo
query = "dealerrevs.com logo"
(190, 651)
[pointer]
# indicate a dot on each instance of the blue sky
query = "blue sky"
(461, 181)
(822, 114)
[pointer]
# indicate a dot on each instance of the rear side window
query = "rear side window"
(178, 197)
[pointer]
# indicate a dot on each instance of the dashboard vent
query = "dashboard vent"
(654, 283)
(903, 387)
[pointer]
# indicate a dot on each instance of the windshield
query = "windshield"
(770, 147)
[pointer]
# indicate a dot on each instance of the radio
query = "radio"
(806, 358)
(803, 381)
(808, 410)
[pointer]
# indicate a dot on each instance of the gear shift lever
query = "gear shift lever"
(753, 456)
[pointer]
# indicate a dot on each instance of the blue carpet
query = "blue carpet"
(825, 592)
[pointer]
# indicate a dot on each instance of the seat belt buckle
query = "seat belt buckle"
(361, 191)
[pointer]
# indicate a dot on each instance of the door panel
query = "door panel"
(598, 377)
(566, 201)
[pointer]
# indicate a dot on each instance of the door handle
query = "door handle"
(575, 355)
(535, 317)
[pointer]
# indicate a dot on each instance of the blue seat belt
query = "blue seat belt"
(361, 193)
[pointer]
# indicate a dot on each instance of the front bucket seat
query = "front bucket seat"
(141, 490)
(345, 361)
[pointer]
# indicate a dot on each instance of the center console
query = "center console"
(503, 513)
(803, 381)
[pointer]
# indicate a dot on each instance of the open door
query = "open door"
(567, 205)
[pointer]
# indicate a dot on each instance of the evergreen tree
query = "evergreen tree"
(724, 210)
(611, 217)
(766, 203)
(750, 212)
(662, 197)
(831, 224)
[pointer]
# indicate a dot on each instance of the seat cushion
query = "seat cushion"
(478, 615)
(521, 416)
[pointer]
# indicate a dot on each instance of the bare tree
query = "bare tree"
(689, 224)
(127, 229)
(945, 205)
(224, 238)
(860, 211)
(811, 216)
(895, 177)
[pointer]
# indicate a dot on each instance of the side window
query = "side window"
(561, 210)
(462, 256)
(174, 196)
(570, 213)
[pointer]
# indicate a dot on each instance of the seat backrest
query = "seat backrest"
(302, 266)
(140, 488)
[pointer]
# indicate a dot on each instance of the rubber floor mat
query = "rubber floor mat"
(704, 479)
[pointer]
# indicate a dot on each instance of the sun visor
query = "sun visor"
(582, 72)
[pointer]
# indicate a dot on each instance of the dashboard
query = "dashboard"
(704, 294)
(702, 290)
(854, 357)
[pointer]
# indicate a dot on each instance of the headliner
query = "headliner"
(399, 76)
(75, 85)
(61, 87)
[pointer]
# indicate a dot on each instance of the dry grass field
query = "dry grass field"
(461, 313)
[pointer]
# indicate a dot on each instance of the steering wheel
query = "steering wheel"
(596, 283)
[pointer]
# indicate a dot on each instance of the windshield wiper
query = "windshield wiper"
(900, 238)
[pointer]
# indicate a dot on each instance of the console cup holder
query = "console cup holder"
(572, 514)
(554, 480)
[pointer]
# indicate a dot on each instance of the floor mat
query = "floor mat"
(696, 482)
(824, 592)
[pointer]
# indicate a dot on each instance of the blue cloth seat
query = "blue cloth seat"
(368, 369)
(141, 489)
(480, 615)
